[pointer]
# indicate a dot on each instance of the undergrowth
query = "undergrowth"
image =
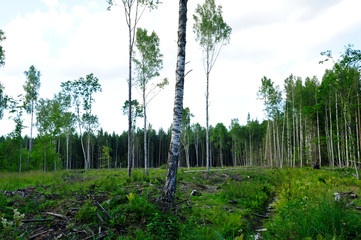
(226, 204)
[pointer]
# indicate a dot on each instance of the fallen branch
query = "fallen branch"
(38, 220)
(260, 216)
(103, 210)
(57, 215)
(358, 208)
(40, 233)
(74, 209)
(100, 217)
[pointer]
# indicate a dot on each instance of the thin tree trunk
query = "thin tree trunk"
(145, 134)
(318, 139)
(197, 157)
(270, 143)
(130, 158)
(346, 137)
(278, 143)
(338, 136)
(250, 148)
(221, 153)
(173, 157)
(82, 146)
(31, 135)
(88, 150)
(274, 142)
(301, 139)
(282, 141)
(357, 138)
(266, 144)
(294, 135)
(20, 157)
(160, 149)
(359, 131)
(67, 151)
(207, 122)
(331, 135)
(289, 155)
(116, 153)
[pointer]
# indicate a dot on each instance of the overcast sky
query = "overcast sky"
(68, 39)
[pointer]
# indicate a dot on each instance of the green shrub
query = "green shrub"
(87, 214)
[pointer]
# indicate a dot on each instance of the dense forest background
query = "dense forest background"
(309, 122)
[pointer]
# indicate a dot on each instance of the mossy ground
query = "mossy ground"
(225, 204)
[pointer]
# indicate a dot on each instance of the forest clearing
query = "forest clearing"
(75, 163)
(241, 203)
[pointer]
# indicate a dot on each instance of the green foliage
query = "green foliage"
(2, 51)
(163, 226)
(149, 61)
(31, 88)
(306, 208)
(225, 209)
(210, 29)
(164, 166)
(106, 160)
(87, 214)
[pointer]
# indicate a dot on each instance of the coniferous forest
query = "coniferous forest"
(309, 122)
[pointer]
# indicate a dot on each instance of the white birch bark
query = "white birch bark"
(173, 157)
(338, 136)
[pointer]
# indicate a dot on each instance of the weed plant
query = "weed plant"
(306, 207)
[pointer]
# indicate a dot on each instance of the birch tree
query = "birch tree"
(133, 10)
(186, 134)
(196, 133)
(212, 33)
(173, 156)
(82, 92)
(16, 108)
(271, 95)
(31, 87)
(148, 62)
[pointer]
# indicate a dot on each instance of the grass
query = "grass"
(226, 205)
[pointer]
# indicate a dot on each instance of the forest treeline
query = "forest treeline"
(310, 122)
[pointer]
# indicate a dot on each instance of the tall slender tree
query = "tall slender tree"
(16, 108)
(82, 92)
(133, 10)
(212, 33)
(173, 156)
(148, 62)
(31, 87)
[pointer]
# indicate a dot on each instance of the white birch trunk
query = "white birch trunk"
(318, 140)
(346, 137)
(173, 157)
(338, 136)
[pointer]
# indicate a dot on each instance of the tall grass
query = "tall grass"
(13, 181)
(306, 208)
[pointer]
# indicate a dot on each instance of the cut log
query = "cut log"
(103, 210)
(57, 215)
